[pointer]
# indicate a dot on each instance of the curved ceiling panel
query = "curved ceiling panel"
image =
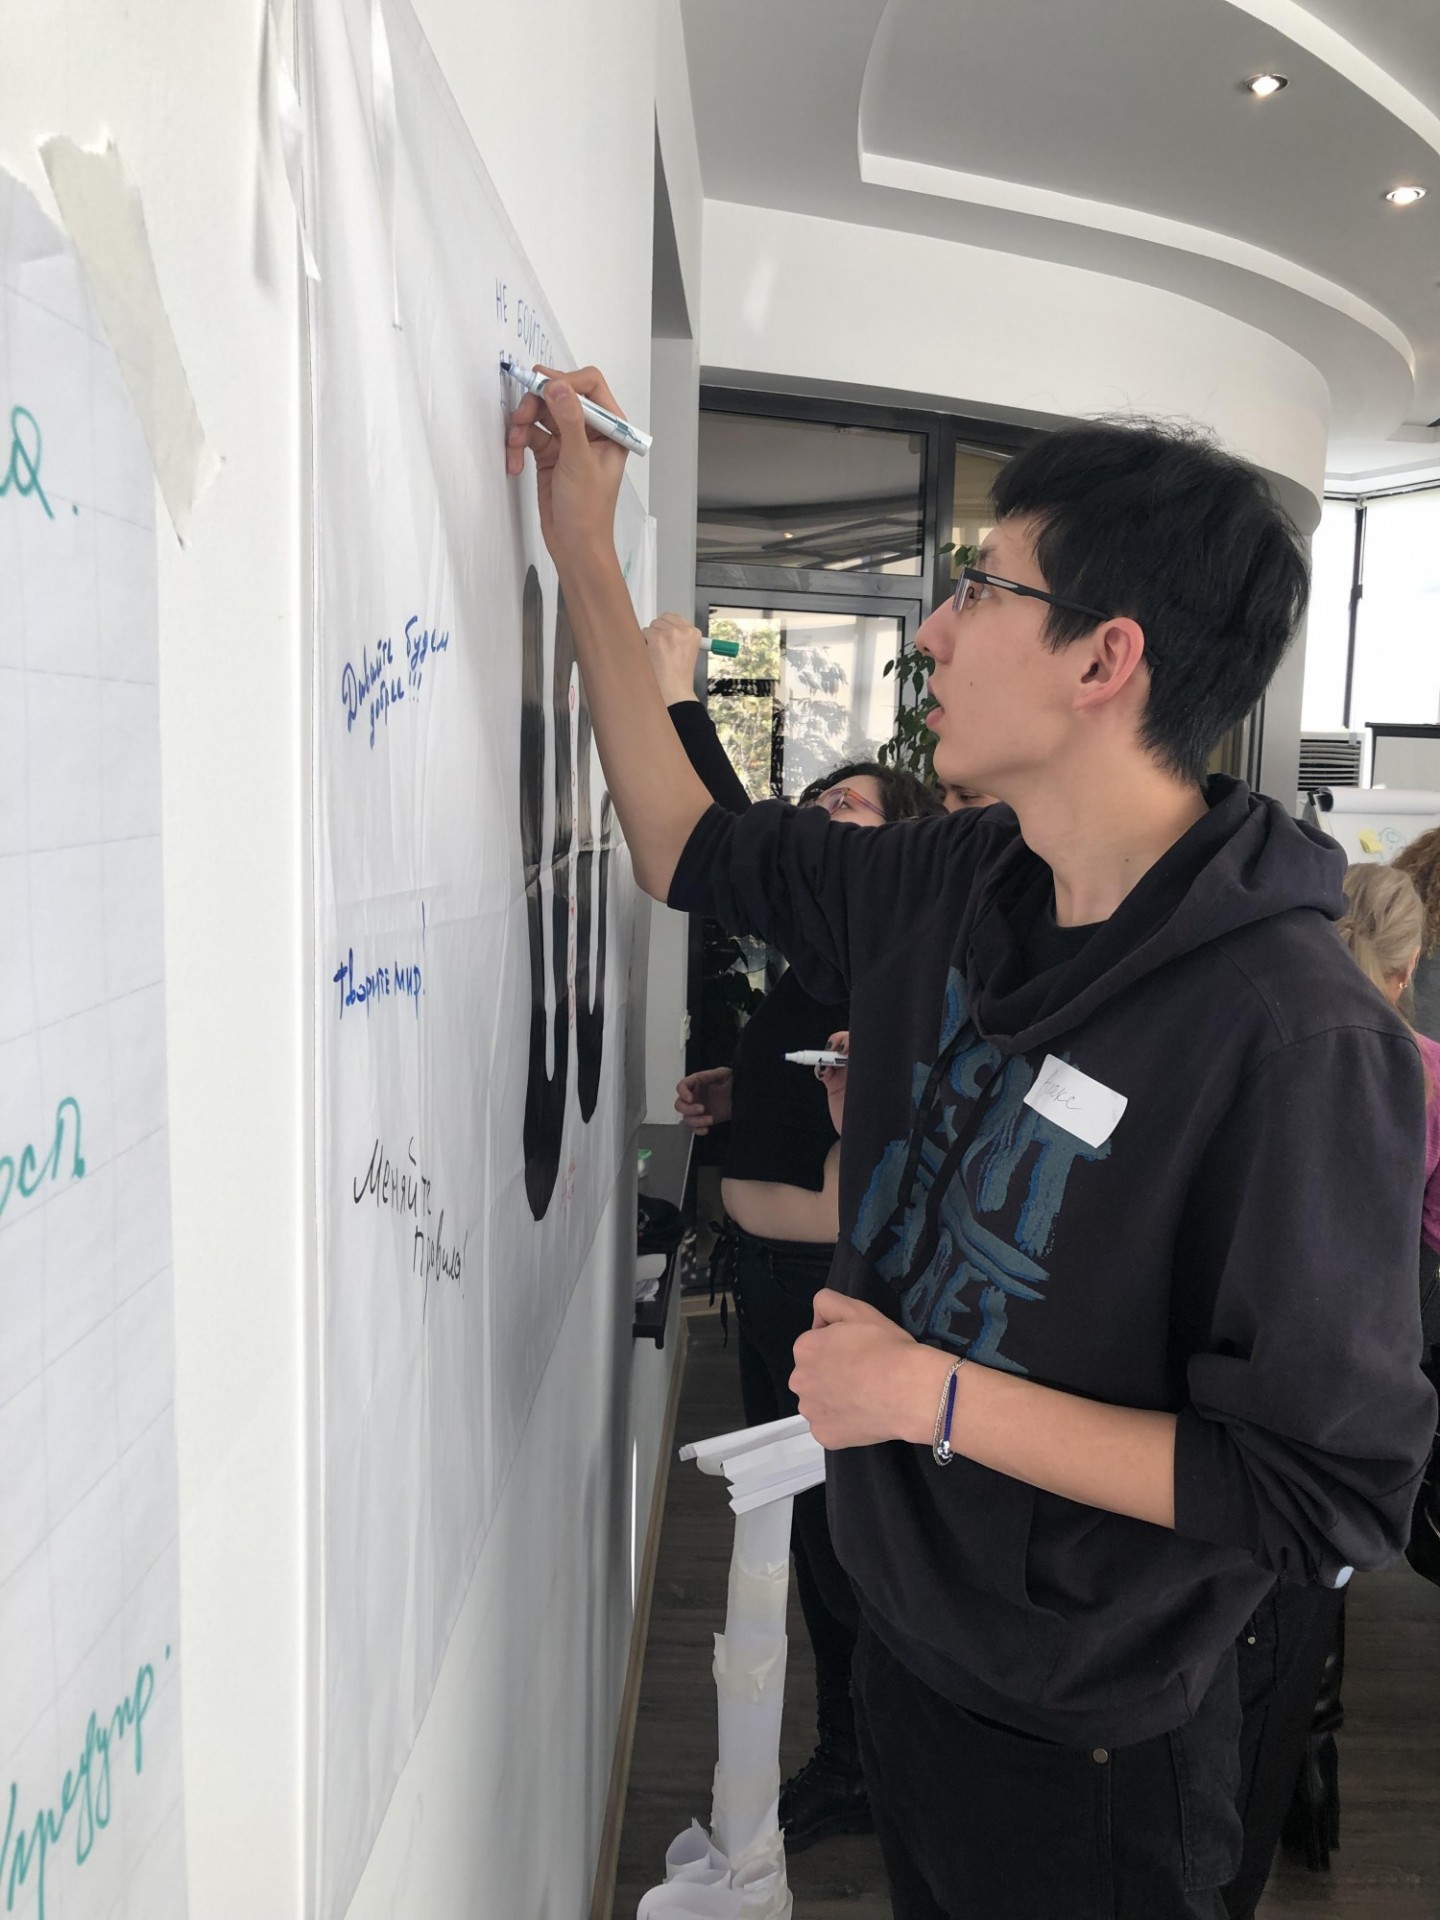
(1139, 123)
(1116, 135)
(1351, 31)
(1011, 196)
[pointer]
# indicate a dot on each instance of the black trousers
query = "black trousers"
(774, 1283)
(977, 1822)
(1282, 1657)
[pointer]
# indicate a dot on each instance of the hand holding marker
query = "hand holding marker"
(613, 428)
(599, 418)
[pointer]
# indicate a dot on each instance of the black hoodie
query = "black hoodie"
(1241, 1250)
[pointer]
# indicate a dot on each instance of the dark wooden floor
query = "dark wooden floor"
(1388, 1867)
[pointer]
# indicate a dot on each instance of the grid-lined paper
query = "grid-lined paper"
(91, 1823)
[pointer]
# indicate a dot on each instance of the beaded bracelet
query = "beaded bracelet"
(941, 1448)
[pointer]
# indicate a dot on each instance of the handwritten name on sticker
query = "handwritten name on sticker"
(1082, 1106)
(85, 1792)
(29, 1173)
(384, 677)
(22, 471)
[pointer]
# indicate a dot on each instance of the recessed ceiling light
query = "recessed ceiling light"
(787, 536)
(1264, 84)
(1405, 196)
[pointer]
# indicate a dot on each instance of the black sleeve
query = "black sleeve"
(829, 897)
(706, 755)
(1309, 1419)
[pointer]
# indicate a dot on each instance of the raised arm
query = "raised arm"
(657, 795)
(674, 648)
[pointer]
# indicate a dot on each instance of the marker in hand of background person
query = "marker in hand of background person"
(833, 1079)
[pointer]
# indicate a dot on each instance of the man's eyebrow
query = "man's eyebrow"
(985, 555)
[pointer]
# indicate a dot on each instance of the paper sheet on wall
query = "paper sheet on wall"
(475, 908)
(91, 1822)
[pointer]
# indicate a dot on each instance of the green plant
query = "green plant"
(912, 745)
(815, 716)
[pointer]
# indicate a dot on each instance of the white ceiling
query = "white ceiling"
(1116, 134)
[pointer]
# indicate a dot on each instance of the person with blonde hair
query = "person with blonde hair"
(1421, 861)
(1384, 927)
(1392, 917)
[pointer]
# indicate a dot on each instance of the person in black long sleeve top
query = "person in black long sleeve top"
(780, 1186)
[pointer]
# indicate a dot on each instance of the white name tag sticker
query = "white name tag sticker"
(1074, 1101)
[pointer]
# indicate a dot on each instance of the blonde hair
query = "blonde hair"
(1421, 861)
(1382, 925)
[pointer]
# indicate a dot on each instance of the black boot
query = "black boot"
(827, 1796)
(1312, 1826)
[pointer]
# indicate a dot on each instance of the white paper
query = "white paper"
(473, 1098)
(738, 1868)
(91, 1819)
(1072, 1100)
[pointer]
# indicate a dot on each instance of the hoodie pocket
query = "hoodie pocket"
(1000, 1635)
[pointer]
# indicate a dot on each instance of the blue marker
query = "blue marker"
(600, 418)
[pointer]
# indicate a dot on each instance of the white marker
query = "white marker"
(819, 1057)
(600, 418)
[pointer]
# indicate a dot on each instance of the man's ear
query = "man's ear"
(1113, 657)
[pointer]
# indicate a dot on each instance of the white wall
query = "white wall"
(177, 85)
(788, 296)
(510, 1774)
(675, 422)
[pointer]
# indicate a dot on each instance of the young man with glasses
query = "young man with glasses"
(1122, 1325)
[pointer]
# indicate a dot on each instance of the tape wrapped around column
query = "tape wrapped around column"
(738, 1873)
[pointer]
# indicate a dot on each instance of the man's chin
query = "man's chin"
(950, 764)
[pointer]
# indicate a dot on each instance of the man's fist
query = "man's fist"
(860, 1379)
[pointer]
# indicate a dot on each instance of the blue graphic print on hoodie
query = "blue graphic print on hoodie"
(916, 1224)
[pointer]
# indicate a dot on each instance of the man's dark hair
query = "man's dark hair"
(1154, 522)
(901, 794)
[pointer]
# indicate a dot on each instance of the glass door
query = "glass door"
(807, 690)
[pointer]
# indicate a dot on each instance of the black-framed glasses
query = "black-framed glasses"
(970, 579)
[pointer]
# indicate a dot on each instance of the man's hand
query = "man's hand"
(577, 472)
(860, 1379)
(702, 1099)
(659, 798)
(674, 648)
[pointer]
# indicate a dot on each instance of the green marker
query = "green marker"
(729, 648)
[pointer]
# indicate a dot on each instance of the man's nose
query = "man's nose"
(931, 637)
